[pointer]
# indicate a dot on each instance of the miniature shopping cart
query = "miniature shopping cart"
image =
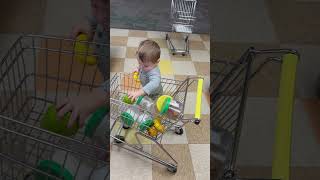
(229, 88)
(121, 84)
(182, 17)
(35, 72)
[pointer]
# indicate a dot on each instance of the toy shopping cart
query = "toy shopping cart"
(182, 17)
(145, 120)
(34, 74)
(229, 89)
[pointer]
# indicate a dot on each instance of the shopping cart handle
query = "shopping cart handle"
(197, 113)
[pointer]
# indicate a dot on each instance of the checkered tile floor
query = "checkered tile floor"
(191, 150)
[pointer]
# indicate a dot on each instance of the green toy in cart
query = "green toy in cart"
(52, 168)
(52, 123)
(95, 120)
(127, 100)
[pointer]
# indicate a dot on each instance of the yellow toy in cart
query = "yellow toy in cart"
(152, 131)
(157, 124)
(156, 128)
(136, 76)
(84, 51)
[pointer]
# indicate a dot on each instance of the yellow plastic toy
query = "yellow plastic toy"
(157, 124)
(83, 47)
(161, 100)
(136, 76)
(152, 131)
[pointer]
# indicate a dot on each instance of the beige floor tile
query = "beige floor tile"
(173, 35)
(197, 45)
(195, 37)
(137, 33)
(165, 55)
(135, 41)
(118, 40)
(191, 102)
(172, 138)
(205, 37)
(178, 43)
(117, 65)
(126, 165)
(182, 155)
(161, 42)
(119, 32)
(131, 52)
(200, 55)
(130, 64)
(207, 45)
(200, 154)
(198, 134)
(118, 51)
(202, 68)
(183, 68)
(156, 34)
(178, 57)
(192, 87)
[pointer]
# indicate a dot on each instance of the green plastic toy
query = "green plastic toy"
(95, 120)
(127, 100)
(51, 122)
(53, 169)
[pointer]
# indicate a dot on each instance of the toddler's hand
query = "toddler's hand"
(80, 28)
(81, 106)
(135, 94)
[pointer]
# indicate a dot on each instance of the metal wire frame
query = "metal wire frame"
(228, 93)
(121, 84)
(26, 91)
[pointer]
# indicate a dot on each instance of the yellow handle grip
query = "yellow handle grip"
(197, 113)
(282, 146)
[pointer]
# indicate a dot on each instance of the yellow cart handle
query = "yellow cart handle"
(282, 145)
(197, 113)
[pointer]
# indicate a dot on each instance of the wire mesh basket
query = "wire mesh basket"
(229, 86)
(36, 72)
(182, 18)
(177, 90)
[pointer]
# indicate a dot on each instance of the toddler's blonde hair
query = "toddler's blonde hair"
(149, 50)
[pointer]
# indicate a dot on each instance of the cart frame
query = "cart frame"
(26, 92)
(228, 93)
(175, 88)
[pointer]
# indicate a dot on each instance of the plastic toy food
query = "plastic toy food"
(146, 103)
(145, 121)
(158, 126)
(127, 100)
(128, 117)
(51, 122)
(84, 51)
(152, 131)
(136, 76)
(54, 169)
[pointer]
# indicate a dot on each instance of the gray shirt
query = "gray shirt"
(151, 81)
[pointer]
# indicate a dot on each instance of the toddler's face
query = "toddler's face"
(147, 66)
(100, 11)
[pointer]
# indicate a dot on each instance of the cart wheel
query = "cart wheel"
(172, 168)
(178, 130)
(183, 54)
(119, 137)
(125, 127)
(167, 37)
(173, 54)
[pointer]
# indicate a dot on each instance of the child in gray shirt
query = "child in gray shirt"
(148, 56)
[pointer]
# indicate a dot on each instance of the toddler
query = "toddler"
(148, 56)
